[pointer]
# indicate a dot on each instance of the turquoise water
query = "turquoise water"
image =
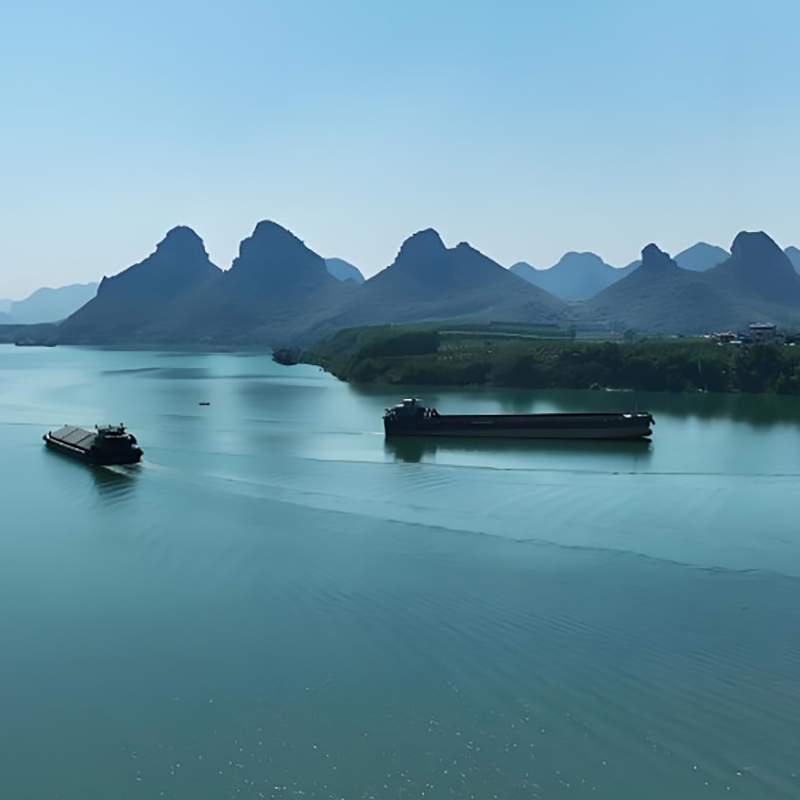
(276, 603)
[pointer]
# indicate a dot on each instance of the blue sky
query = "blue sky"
(526, 128)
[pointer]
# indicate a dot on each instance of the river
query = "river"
(277, 603)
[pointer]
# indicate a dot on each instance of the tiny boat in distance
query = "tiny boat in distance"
(411, 418)
(108, 444)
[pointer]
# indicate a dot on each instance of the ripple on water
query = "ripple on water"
(517, 693)
(257, 611)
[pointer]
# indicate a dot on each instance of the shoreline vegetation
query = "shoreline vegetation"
(547, 357)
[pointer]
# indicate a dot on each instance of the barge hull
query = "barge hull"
(107, 446)
(88, 456)
(528, 433)
(532, 426)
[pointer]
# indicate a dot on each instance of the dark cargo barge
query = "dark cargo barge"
(109, 444)
(410, 418)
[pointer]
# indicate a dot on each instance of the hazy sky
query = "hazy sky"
(527, 128)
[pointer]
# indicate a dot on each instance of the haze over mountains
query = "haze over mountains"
(279, 292)
(430, 281)
(701, 257)
(46, 304)
(757, 282)
(575, 277)
(661, 296)
(55, 304)
(148, 291)
(579, 276)
(343, 270)
(276, 289)
(794, 256)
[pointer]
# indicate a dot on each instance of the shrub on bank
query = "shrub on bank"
(422, 355)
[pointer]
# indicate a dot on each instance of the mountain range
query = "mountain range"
(757, 282)
(54, 304)
(46, 305)
(430, 281)
(579, 276)
(279, 292)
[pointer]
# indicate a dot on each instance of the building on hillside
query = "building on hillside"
(723, 337)
(762, 332)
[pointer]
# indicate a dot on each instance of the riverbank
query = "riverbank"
(430, 355)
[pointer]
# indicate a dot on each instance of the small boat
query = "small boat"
(107, 444)
(204, 403)
(411, 418)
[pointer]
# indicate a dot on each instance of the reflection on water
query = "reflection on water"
(413, 449)
(753, 409)
(132, 371)
(82, 480)
(759, 410)
(114, 483)
(178, 373)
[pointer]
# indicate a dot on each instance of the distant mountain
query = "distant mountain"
(128, 303)
(273, 258)
(697, 258)
(701, 257)
(628, 268)
(275, 291)
(760, 268)
(279, 292)
(793, 254)
(757, 282)
(343, 271)
(660, 296)
(47, 305)
(430, 281)
(577, 276)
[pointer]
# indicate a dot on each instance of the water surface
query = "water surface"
(277, 603)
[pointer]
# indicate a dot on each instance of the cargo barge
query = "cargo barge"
(109, 444)
(411, 418)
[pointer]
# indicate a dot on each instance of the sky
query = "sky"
(527, 128)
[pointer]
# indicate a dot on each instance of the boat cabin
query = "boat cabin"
(110, 431)
(411, 407)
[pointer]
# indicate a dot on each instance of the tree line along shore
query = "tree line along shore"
(545, 357)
